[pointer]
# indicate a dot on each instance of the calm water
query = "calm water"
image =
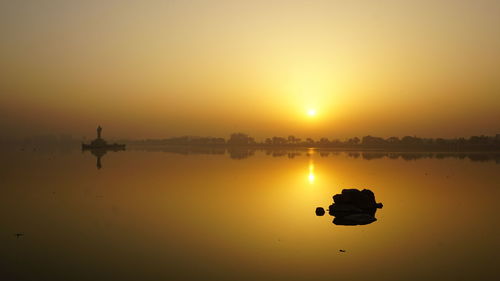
(189, 215)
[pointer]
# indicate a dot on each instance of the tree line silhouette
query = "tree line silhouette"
(473, 143)
(244, 152)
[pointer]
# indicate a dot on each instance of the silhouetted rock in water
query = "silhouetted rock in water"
(320, 211)
(354, 219)
(353, 207)
(354, 201)
(340, 210)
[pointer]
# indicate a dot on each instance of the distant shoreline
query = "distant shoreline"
(361, 148)
(241, 140)
(243, 152)
(366, 143)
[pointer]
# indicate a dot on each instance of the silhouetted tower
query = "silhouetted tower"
(99, 130)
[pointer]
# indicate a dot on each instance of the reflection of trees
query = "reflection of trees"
(412, 156)
(240, 153)
(243, 152)
(409, 156)
(240, 139)
(372, 155)
(483, 157)
(282, 153)
(406, 143)
(353, 154)
(324, 153)
(186, 150)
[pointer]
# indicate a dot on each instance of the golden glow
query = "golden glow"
(311, 177)
(311, 112)
(189, 68)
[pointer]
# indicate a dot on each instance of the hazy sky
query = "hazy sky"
(165, 68)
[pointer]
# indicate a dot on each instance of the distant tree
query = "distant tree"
(393, 140)
(336, 142)
(411, 140)
(369, 140)
(240, 139)
(440, 141)
(479, 139)
(220, 141)
(279, 141)
(354, 141)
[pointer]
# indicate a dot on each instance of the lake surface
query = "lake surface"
(210, 214)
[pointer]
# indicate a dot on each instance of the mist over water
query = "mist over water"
(158, 214)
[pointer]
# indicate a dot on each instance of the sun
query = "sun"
(311, 112)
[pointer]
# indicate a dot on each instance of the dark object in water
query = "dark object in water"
(353, 207)
(320, 211)
(355, 219)
(100, 143)
(93, 145)
(353, 201)
(99, 147)
(18, 235)
(342, 251)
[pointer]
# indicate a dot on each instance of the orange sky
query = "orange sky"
(165, 68)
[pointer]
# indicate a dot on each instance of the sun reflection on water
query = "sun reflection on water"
(311, 176)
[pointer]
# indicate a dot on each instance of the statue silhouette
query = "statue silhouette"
(99, 130)
(99, 147)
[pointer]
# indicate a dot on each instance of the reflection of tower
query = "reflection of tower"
(99, 130)
(98, 164)
(98, 153)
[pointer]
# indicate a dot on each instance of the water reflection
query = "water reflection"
(141, 219)
(311, 176)
(239, 153)
(100, 152)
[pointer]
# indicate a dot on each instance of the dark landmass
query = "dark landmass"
(244, 152)
(407, 143)
(366, 143)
